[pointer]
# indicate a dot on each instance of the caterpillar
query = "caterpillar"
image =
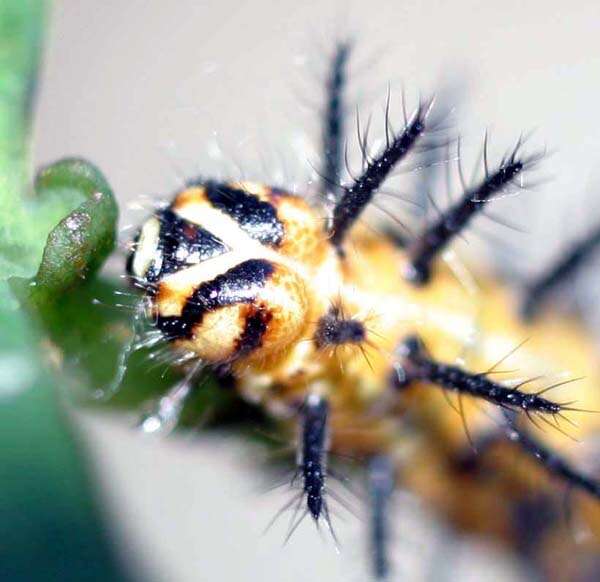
(368, 345)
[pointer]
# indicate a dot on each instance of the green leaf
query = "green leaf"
(78, 246)
(71, 187)
(21, 24)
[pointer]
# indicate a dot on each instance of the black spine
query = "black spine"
(553, 462)
(355, 198)
(453, 221)
(560, 272)
(417, 366)
(312, 453)
(381, 486)
(333, 130)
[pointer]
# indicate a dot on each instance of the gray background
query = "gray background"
(153, 90)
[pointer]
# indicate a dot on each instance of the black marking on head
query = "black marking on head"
(257, 323)
(312, 452)
(255, 217)
(181, 244)
(335, 329)
(184, 243)
(240, 284)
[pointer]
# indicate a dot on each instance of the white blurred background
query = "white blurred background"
(151, 91)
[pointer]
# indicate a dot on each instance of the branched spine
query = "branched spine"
(428, 245)
(418, 366)
(312, 458)
(355, 197)
(554, 463)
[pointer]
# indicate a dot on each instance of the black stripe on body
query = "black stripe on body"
(256, 218)
(240, 284)
(181, 244)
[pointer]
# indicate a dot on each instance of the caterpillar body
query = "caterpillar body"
(370, 345)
